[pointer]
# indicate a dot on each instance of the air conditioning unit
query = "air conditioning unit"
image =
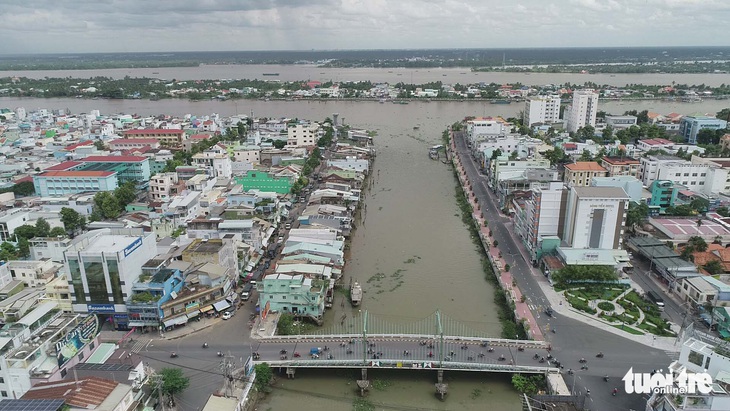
(173, 295)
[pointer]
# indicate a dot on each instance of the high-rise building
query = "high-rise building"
(595, 217)
(543, 212)
(583, 110)
(102, 267)
(690, 126)
(541, 110)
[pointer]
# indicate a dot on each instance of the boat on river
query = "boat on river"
(355, 294)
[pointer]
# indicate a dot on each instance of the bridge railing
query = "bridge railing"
(374, 337)
(400, 364)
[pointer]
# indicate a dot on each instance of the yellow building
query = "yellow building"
(579, 174)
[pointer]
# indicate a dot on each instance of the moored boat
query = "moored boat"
(356, 294)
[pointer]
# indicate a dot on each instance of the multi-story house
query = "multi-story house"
(64, 183)
(216, 160)
(166, 137)
(541, 110)
(621, 166)
(579, 174)
(543, 216)
(295, 294)
(583, 110)
(164, 186)
(303, 135)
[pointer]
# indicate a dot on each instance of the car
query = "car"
(227, 315)
(549, 312)
(281, 240)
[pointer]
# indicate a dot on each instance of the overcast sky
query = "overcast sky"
(73, 26)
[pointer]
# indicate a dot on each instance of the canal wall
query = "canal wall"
(521, 311)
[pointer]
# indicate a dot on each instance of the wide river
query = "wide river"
(411, 238)
(376, 75)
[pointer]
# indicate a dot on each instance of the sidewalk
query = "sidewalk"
(180, 332)
(558, 303)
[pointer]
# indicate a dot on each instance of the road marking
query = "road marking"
(138, 346)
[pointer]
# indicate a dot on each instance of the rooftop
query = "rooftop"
(618, 161)
(200, 246)
(110, 243)
(77, 174)
(601, 192)
(154, 131)
(113, 159)
(585, 166)
(89, 392)
(133, 141)
(688, 226)
(64, 166)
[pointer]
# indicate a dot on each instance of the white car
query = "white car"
(227, 315)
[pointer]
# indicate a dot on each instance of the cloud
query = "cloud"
(36, 26)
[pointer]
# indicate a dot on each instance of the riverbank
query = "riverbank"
(515, 316)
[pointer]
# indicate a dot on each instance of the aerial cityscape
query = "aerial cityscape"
(364, 207)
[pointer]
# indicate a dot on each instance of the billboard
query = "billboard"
(77, 339)
(267, 308)
(135, 245)
(100, 308)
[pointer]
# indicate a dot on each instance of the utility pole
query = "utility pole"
(227, 368)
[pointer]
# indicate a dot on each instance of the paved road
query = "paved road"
(573, 339)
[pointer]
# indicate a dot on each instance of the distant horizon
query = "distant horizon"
(368, 49)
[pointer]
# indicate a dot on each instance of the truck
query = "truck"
(654, 297)
(246, 293)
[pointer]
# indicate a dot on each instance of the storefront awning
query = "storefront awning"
(137, 324)
(206, 308)
(193, 314)
(221, 306)
(176, 321)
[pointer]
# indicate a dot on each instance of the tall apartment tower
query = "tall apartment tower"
(595, 217)
(583, 110)
(541, 110)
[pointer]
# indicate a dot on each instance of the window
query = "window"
(63, 373)
(4, 394)
(695, 358)
(2, 380)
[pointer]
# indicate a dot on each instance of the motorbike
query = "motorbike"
(220, 354)
(205, 345)
(584, 367)
(282, 352)
(599, 355)
(173, 355)
(582, 361)
(536, 357)
(480, 355)
(422, 343)
(570, 372)
(490, 349)
(330, 357)
(297, 355)
(430, 345)
(470, 358)
(464, 347)
(501, 358)
(406, 353)
(256, 356)
(283, 357)
(615, 391)
(342, 344)
(349, 351)
(605, 378)
(520, 348)
(542, 360)
(430, 355)
(484, 344)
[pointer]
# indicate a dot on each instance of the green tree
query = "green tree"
(8, 252)
(583, 273)
(285, 325)
(707, 136)
(279, 144)
(513, 155)
(25, 231)
(713, 267)
(637, 214)
(697, 243)
(607, 133)
(263, 377)
(585, 156)
(42, 228)
(172, 165)
(173, 381)
(556, 156)
(23, 248)
(723, 211)
(107, 205)
(99, 144)
(241, 128)
(527, 384)
(57, 232)
(496, 153)
(72, 220)
(723, 114)
(26, 188)
(126, 193)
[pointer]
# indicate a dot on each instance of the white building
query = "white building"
(33, 273)
(541, 110)
(483, 128)
(542, 215)
(102, 268)
(701, 175)
(161, 186)
(697, 357)
(215, 160)
(248, 154)
(583, 110)
(303, 135)
(350, 163)
(595, 217)
(620, 122)
(185, 207)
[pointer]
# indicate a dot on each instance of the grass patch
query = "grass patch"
(362, 404)
(606, 306)
(579, 304)
(381, 385)
(628, 329)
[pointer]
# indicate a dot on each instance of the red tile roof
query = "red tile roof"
(133, 141)
(200, 136)
(585, 166)
(112, 159)
(66, 165)
(76, 174)
(23, 180)
(154, 131)
(618, 161)
(73, 147)
(88, 392)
